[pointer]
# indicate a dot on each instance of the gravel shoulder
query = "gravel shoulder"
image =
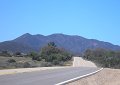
(104, 77)
(22, 70)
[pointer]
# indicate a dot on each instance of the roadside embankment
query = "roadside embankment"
(104, 77)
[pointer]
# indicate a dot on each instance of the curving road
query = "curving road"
(80, 62)
(45, 77)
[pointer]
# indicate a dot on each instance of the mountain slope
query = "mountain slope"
(15, 47)
(75, 44)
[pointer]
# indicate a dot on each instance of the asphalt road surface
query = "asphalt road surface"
(80, 62)
(45, 77)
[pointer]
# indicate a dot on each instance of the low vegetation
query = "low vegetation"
(103, 58)
(49, 55)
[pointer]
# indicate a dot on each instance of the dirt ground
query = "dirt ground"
(104, 77)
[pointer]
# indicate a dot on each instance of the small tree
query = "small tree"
(52, 44)
(35, 56)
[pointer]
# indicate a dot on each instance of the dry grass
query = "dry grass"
(104, 77)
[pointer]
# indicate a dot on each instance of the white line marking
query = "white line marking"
(65, 82)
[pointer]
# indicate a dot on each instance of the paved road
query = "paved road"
(80, 62)
(46, 77)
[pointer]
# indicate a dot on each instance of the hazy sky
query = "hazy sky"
(94, 19)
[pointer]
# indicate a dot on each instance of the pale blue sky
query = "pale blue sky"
(93, 19)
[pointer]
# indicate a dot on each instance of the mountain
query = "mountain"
(75, 44)
(15, 47)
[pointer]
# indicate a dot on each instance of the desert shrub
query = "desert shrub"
(104, 58)
(56, 62)
(5, 54)
(36, 58)
(46, 64)
(18, 54)
(11, 61)
(61, 63)
(22, 65)
(26, 65)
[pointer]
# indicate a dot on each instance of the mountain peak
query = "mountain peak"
(26, 34)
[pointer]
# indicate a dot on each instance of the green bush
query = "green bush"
(51, 53)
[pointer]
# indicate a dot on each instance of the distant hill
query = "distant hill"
(73, 43)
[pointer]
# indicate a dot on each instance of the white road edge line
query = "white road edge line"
(74, 79)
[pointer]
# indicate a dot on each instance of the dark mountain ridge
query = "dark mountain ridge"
(73, 43)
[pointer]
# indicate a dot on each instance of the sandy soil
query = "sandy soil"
(104, 77)
(79, 62)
